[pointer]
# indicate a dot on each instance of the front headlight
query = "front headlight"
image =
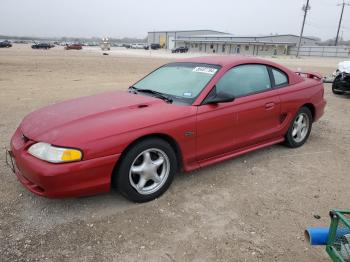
(53, 154)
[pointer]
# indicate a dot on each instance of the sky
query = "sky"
(123, 18)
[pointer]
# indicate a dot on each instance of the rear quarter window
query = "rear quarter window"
(281, 78)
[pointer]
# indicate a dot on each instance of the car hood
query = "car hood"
(79, 121)
(344, 66)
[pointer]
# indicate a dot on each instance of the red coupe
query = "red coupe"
(183, 116)
(73, 47)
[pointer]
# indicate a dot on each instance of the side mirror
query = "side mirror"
(220, 97)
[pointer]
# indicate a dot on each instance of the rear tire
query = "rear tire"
(299, 129)
(146, 170)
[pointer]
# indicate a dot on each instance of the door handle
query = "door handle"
(269, 106)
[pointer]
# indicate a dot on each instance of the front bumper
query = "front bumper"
(342, 83)
(87, 177)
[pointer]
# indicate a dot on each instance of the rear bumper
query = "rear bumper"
(74, 179)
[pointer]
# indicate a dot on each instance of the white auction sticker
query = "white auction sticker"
(206, 70)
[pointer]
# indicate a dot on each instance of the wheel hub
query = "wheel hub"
(149, 171)
(300, 127)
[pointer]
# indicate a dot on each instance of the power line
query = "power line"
(340, 20)
(305, 9)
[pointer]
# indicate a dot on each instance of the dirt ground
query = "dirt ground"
(252, 208)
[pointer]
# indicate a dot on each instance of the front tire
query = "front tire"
(146, 170)
(299, 129)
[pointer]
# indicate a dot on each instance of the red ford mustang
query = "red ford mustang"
(182, 116)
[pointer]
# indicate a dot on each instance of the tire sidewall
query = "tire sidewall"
(121, 176)
(289, 138)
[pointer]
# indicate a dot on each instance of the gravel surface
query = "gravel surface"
(252, 208)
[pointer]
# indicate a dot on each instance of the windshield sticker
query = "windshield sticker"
(206, 70)
(188, 94)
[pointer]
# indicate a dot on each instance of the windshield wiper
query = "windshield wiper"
(152, 92)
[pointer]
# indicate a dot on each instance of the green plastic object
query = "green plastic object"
(338, 247)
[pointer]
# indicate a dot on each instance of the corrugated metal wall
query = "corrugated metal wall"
(326, 51)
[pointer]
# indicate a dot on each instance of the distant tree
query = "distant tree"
(331, 41)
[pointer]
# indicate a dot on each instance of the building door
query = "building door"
(171, 42)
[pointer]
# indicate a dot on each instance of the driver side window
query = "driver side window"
(244, 80)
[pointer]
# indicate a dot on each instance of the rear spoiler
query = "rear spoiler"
(310, 75)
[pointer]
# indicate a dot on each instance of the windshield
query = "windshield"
(182, 81)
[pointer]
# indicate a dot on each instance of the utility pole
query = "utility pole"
(305, 9)
(340, 20)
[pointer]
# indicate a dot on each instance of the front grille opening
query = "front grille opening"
(38, 189)
(32, 185)
(25, 139)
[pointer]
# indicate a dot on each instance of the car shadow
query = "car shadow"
(343, 96)
(43, 213)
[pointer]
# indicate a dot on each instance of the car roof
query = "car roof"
(228, 60)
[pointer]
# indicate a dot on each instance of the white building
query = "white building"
(209, 41)
(167, 38)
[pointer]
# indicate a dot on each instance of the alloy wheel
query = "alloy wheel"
(301, 127)
(149, 171)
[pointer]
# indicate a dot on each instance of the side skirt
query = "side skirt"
(238, 152)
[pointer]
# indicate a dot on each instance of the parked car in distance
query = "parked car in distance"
(73, 47)
(184, 115)
(180, 49)
(341, 82)
(42, 46)
(137, 46)
(6, 44)
(20, 42)
(93, 44)
(155, 46)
